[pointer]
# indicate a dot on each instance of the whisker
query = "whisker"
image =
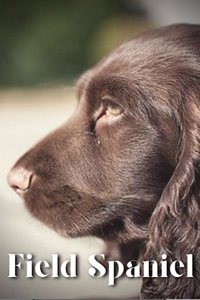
(83, 216)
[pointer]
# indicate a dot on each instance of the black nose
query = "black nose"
(20, 179)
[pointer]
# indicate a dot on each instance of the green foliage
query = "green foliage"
(47, 41)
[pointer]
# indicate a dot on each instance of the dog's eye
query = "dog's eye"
(108, 112)
(113, 109)
(109, 109)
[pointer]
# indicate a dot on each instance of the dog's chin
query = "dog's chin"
(68, 220)
(56, 216)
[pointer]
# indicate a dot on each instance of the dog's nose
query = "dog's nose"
(20, 179)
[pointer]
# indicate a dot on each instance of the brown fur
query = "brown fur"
(133, 182)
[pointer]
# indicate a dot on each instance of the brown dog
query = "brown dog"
(125, 167)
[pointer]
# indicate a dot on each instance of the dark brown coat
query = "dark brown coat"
(125, 167)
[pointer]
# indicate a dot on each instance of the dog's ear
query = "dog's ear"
(174, 225)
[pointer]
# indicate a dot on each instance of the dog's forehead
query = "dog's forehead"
(139, 54)
(157, 56)
(179, 42)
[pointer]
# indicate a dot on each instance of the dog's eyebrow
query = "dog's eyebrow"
(112, 87)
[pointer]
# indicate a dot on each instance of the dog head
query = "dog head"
(122, 167)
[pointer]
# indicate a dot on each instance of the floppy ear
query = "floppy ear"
(174, 228)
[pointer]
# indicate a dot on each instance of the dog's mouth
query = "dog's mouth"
(66, 210)
(61, 208)
(72, 212)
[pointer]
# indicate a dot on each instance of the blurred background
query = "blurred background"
(49, 42)
(44, 46)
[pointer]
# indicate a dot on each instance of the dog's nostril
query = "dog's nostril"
(20, 179)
